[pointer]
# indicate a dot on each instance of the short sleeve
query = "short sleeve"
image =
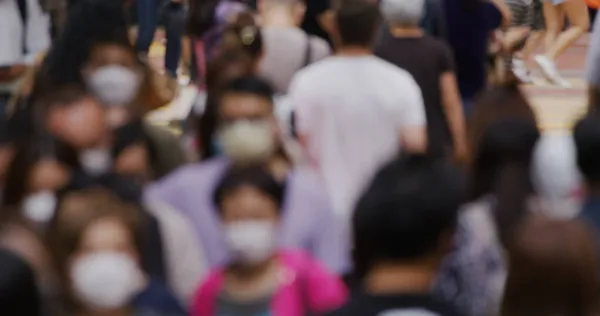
(410, 109)
(446, 58)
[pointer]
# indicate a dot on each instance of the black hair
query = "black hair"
(502, 168)
(409, 205)
(587, 141)
(202, 16)
(357, 22)
(250, 85)
(255, 176)
(89, 22)
(19, 294)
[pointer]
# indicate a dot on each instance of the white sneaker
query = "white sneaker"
(520, 70)
(549, 70)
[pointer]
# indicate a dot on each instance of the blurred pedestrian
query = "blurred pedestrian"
(402, 228)
(259, 278)
(557, 39)
(469, 24)
(586, 133)
(96, 243)
(287, 48)
(553, 270)
(430, 62)
(248, 133)
(528, 15)
(206, 24)
(355, 111)
(224, 68)
(172, 14)
(501, 197)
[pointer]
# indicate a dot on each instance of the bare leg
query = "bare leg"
(554, 23)
(515, 35)
(579, 23)
(534, 40)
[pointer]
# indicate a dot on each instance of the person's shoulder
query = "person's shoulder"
(315, 73)
(200, 170)
(157, 297)
(319, 45)
(389, 70)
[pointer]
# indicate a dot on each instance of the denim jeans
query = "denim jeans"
(148, 18)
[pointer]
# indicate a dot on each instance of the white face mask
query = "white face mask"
(251, 241)
(95, 162)
(39, 207)
(247, 141)
(106, 280)
(114, 85)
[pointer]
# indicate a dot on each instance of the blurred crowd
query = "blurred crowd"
(352, 157)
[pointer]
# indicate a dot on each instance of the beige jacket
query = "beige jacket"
(184, 257)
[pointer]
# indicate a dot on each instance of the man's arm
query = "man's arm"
(412, 121)
(455, 116)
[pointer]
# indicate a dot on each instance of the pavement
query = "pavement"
(556, 108)
(559, 108)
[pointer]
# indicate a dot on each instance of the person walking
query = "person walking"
(556, 40)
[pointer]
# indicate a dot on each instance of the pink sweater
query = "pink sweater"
(322, 290)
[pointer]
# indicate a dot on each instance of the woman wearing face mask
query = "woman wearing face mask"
(95, 241)
(116, 77)
(95, 51)
(259, 279)
(247, 133)
(124, 166)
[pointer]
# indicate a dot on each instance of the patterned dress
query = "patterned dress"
(472, 275)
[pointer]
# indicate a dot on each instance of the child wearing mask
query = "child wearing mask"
(95, 243)
(259, 279)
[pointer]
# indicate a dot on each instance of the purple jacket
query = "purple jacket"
(308, 219)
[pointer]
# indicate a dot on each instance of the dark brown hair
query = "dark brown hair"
(75, 213)
(243, 34)
(553, 270)
(357, 22)
(502, 134)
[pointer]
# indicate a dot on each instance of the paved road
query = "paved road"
(558, 108)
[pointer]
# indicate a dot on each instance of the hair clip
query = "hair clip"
(248, 34)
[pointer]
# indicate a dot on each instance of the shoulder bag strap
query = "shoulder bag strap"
(24, 14)
(307, 52)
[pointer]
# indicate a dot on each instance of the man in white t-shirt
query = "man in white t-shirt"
(355, 111)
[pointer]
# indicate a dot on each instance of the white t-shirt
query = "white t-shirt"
(352, 110)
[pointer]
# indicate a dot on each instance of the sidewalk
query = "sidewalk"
(558, 108)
